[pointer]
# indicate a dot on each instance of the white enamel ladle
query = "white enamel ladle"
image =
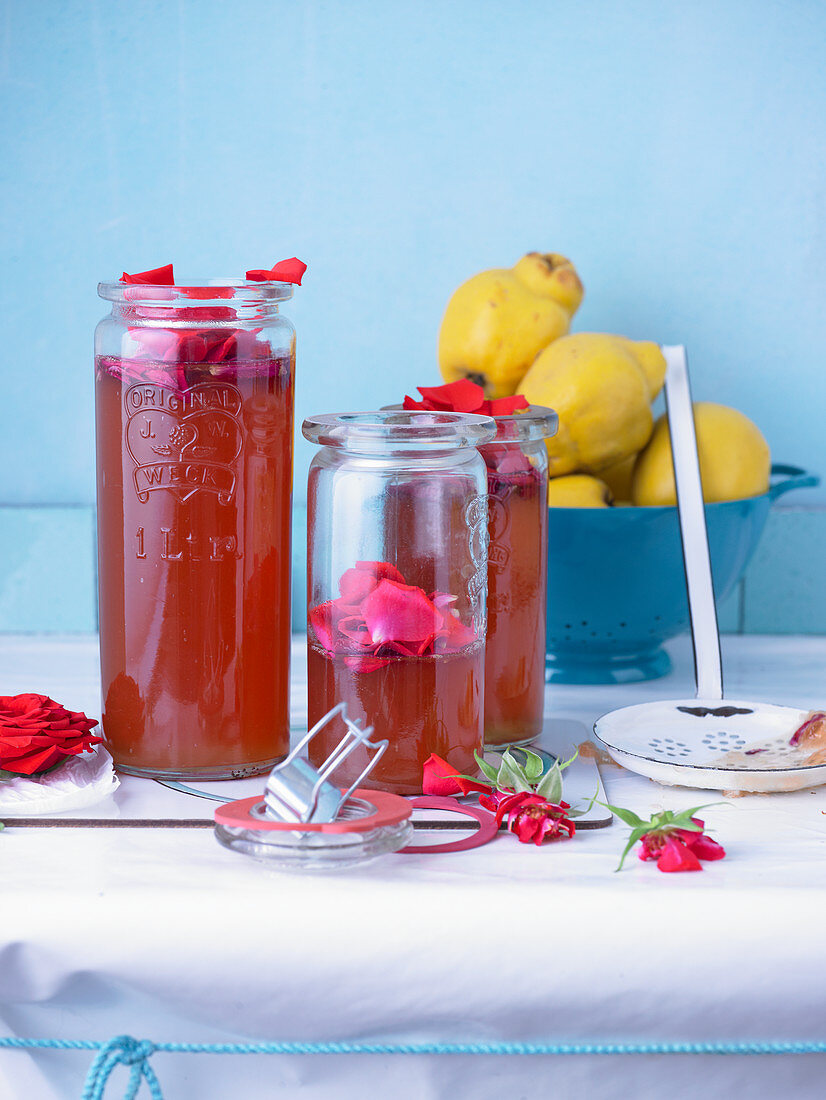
(707, 741)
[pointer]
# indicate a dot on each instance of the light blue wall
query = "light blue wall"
(675, 150)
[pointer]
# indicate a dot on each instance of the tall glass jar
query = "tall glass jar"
(517, 474)
(194, 396)
(397, 573)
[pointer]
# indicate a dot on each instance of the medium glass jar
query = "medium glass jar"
(397, 575)
(194, 396)
(517, 474)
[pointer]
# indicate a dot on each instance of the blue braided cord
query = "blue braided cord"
(122, 1050)
(494, 1047)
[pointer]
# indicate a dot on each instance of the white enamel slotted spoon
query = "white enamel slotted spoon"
(707, 741)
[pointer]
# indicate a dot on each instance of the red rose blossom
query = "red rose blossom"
(36, 733)
(675, 841)
(530, 816)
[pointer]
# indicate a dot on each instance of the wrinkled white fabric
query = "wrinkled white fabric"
(164, 935)
(80, 781)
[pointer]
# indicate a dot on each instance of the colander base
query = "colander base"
(605, 668)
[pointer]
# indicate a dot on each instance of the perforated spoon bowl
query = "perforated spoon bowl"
(707, 741)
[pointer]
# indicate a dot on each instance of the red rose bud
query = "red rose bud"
(36, 733)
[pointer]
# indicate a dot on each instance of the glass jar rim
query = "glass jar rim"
(193, 291)
(398, 430)
(522, 426)
(526, 425)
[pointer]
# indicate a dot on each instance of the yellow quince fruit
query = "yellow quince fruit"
(601, 387)
(618, 478)
(578, 491)
(734, 458)
(497, 322)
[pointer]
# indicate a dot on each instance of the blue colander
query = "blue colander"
(616, 586)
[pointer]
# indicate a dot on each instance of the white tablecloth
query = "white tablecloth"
(164, 935)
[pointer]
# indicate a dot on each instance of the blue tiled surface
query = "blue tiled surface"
(47, 569)
(674, 151)
(48, 581)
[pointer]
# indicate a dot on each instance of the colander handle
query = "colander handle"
(702, 609)
(793, 478)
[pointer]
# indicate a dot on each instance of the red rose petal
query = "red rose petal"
(398, 649)
(438, 777)
(207, 292)
(322, 619)
(34, 762)
(505, 458)
(443, 600)
(400, 613)
(285, 271)
(420, 406)
(456, 634)
(676, 857)
(803, 730)
(384, 570)
(289, 271)
(701, 845)
(462, 396)
(157, 276)
(506, 406)
(355, 629)
(355, 584)
(191, 348)
(364, 664)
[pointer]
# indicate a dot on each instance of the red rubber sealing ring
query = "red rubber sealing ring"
(390, 810)
(487, 826)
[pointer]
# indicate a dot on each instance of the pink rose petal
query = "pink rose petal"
(354, 628)
(384, 570)
(676, 857)
(442, 600)
(701, 845)
(399, 613)
(455, 635)
(356, 584)
(323, 618)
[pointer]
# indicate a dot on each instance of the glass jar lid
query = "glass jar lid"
(527, 425)
(399, 430)
(190, 291)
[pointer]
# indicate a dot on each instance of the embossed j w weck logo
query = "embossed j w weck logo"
(184, 441)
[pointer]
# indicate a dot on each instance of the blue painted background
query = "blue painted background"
(675, 151)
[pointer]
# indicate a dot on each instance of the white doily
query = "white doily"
(78, 782)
